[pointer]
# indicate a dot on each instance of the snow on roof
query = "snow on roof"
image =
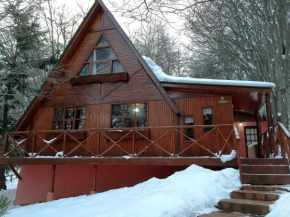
(162, 77)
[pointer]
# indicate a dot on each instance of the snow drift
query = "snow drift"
(187, 193)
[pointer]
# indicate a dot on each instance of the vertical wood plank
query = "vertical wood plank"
(53, 168)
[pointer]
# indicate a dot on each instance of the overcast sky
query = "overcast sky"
(73, 4)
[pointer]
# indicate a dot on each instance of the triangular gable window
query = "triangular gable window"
(103, 60)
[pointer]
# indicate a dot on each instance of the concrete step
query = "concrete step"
(266, 188)
(255, 195)
(224, 214)
(255, 207)
(268, 179)
(264, 161)
(265, 169)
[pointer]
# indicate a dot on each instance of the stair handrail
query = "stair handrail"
(283, 138)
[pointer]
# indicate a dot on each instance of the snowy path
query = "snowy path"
(187, 193)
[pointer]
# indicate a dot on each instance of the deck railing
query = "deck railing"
(276, 142)
(165, 141)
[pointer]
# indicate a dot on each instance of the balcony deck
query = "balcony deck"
(127, 146)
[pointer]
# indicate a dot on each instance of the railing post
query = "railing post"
(99, 143)
(177, 135)
(5, 143)
(133, 141)
(64, 144)
(33, 143)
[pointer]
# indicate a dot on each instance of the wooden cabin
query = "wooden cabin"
(111, 121)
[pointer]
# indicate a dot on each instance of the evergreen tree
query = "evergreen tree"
(22, 61)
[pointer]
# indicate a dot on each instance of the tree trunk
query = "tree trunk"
(2, 178)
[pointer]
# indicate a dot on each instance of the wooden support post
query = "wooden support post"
(94, 190)
(259, 133)
(5, 144)
(270, 123)
(177, 135)
(15, 172)
(269, 112)
(50, 196)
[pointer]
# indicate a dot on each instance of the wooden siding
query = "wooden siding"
(159, 114)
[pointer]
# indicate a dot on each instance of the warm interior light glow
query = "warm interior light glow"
(241, 124)
(136, 110)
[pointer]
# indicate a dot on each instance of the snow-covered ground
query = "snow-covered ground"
(11, 191)
(186, 193)
(281, 207)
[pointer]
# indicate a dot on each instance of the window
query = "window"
(103, 60)
(189, 132)
(207, 118)
(251, 135)
(129, 115)
(69, 118)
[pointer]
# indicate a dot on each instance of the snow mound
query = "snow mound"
(162, 77)
(281, 207)
(187, 193)
(229, 157)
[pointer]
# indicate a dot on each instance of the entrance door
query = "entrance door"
(251, 136)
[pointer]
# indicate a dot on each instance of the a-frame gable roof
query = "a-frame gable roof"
(141, 60)
(71, 49)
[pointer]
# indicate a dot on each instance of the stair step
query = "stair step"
(265, 169)
(245, 206)
(262, 179)
(264, 161)
(224, 214)
(255, 195)
(265, 188)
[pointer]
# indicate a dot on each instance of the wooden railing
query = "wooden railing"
(170, 141)
(276, 142)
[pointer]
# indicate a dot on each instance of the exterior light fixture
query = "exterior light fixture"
(222, 100)
(241, 123)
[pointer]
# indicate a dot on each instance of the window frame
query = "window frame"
(245, 133)
(64, 120)
(185, 138)
(110, 61)
(210, 128)
(123, 116)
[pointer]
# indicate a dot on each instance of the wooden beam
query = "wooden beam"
(97, 79)
(165, 161)
(105, 28)
(15, 172)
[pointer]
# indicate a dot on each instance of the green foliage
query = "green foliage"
(4, 203)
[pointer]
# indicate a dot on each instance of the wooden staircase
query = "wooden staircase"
(265, 176)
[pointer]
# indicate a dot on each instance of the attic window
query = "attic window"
(103, 60)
